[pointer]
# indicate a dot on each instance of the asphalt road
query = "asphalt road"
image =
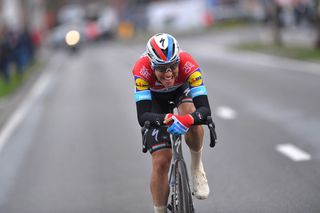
(74, 143)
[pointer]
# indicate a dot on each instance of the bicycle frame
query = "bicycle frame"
(177, 156)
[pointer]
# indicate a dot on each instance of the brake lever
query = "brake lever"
(213, 134)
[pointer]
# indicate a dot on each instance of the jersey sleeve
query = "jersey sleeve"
(199, 96)
(191, 73)
(142, 89)
(196, 84)
(141, 79)
(197, 90)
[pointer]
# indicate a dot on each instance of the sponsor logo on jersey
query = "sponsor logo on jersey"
(195, 79)
(141, 84)
(188, 67)
(144, 72)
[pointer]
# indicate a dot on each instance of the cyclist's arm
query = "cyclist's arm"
(199, 96)
(202, 109)
(144, 113)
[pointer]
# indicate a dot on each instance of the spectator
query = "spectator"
(36, 38)
(278, 13)
(25, 49)
(14, 49)
(267, 6)
(4, 56)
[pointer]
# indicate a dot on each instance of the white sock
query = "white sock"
(196, 163)
(160, 209)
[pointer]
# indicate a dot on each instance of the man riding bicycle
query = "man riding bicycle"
(164, 74)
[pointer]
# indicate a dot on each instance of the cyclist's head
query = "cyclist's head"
(163, 51)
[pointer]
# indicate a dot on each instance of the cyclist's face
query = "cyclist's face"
(168, 77)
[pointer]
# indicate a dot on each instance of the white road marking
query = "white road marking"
(37, 90)
(21, 112)
(226, 112)
(293, 152)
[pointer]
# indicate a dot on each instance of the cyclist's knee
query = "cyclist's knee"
(194, 138)
(186, 108)
(195, 131)
(161, 160)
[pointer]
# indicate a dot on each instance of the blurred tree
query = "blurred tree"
(317, 23)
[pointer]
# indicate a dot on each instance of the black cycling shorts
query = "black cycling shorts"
(158, 138)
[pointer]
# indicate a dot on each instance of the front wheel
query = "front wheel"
(182, 193)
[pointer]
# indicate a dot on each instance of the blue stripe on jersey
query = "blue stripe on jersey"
(143, 95)
(196, 91)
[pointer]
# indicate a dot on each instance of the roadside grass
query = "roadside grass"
(289, 51)
(230, 24)
(16, 79)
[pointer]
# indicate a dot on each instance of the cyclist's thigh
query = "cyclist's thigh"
(157, 137)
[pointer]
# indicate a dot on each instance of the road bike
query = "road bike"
(180, 194)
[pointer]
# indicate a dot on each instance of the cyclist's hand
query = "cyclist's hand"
(181, 124)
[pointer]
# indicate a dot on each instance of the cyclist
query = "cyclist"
(165, 74)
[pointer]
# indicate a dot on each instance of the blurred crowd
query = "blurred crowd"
(303, 11)
(17, 49)
(98, 20)
(291, 12)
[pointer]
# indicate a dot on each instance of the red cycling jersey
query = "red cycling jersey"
(145, 79)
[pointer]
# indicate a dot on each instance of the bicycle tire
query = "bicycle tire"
(183, 194)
